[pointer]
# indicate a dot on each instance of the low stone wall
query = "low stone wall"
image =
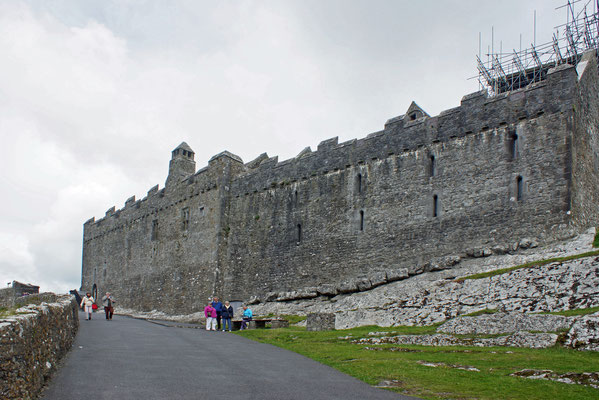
(33, 341)
(7, 296)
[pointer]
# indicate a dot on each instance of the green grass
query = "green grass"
(481, 312)
(578, 311)
(8, 312)
(596, 240)
(531, 264)
(292, 319)
(444, 382)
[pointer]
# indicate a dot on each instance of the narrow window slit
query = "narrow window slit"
(361, 220)
(519, 188)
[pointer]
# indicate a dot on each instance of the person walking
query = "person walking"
(227, 314)
(218, 306)
(87, 303)
(210, 314)
(247, 317)
(108, 302)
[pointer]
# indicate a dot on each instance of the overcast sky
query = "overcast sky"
(94, 95)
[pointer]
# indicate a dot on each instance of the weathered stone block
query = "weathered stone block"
(271, 296)
(254, 300)
(286, 296)
(348, 287)
(397, 274)
(443, 263)
(363, 284)
(327, 290)
(307, 293)
(378, 279)
(320, 322)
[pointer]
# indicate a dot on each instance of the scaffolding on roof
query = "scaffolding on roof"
(504, 72)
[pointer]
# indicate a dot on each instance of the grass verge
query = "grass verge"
(481, 312)
(7, 312)
(531, 264)
(403, 364)
(292, 319)
(571, 313)
(596, 240)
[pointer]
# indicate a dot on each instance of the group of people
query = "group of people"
(88, 302)
(218, 314)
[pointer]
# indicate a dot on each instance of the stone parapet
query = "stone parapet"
(33, 341)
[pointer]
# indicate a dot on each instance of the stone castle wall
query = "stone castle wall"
(585, 155)
(489, 172)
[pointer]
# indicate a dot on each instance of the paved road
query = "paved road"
(133, 359)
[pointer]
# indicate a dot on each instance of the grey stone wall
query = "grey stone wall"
(144, 255)
(33, 342)
(7, 297)
(585, 154)
(367, 205)
(487, 173)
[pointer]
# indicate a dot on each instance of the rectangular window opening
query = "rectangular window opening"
(154, 234)
(519, 188)
(361, 220)
(185, 218)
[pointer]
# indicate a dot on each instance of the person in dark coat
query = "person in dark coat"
(218, 306)
(227, 314)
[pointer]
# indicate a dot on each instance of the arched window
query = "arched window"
(299, 233)
(435, 205)
(431, 168)
(359, 183)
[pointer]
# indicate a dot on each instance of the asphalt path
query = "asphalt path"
(133, 359)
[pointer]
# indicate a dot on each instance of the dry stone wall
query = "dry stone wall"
(33, 341)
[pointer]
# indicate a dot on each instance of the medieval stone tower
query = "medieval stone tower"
(181, 165)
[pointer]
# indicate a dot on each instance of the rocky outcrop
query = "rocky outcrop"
(32, 342)
(572, 378)
(498, 323)
(437, 297)
(584, 334)
(517, 339)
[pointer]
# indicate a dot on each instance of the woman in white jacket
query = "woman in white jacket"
(87, 302)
